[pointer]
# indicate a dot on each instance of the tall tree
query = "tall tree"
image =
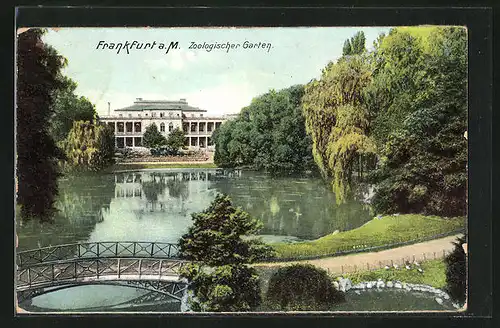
(399, 82)
(423, 162)
(269, 134)
(337, 120)
(355, 45)
(153, 138)
(69, 108)
(221, 245)
(89, 146)
(176, 139)
(38, 68)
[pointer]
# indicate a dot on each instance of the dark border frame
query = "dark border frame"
(479, 24)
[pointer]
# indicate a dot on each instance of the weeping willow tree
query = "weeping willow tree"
(337, 121)
(89, 146)
(348, 144)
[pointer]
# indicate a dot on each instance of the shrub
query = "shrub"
(220, 278)
(302, 287)
(456, 272)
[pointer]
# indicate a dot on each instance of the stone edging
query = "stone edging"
(345, 284)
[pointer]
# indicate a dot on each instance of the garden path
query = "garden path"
(419, 252)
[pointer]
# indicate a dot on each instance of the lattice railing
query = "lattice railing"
(97, 250)
(75, 270)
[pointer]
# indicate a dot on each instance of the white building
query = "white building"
(130, 123)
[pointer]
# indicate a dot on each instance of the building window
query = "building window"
(153, 114)
(129, 115)
(162, 127)
(178, 115)
(201, 115)
(120, 115)
(170, 127)
(146, 114)
(128, 127)
(161, 114)
(137, 127)
(139, 115)
(170, 114)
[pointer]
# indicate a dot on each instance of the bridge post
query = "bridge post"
(152, 248)
(118, 268)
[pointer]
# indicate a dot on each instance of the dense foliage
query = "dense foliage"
(424, 157)
(268, 135)
(403, 103)
(38, 69)
(69, 108)
(221, 246)
(153, 138)
(337, 121)
(354, 45)
(89, 146)
(456, 272)
(176, 139)
(302, 287)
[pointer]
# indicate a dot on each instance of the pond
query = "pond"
(156, 205)
(119, 299)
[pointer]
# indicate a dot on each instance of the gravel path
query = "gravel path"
(366, 261)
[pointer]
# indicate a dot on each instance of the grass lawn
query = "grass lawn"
(377, 232)
(434, 274)
(125, 166)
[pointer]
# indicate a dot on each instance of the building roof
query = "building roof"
(140, 105)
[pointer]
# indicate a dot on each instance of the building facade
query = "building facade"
(130, 123)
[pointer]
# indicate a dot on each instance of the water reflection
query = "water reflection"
(156, 205)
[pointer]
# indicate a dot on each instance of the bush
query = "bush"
(456, 272)
(220, 279)
(226, 288)
(302, 287)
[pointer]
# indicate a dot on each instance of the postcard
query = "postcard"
(238, 169)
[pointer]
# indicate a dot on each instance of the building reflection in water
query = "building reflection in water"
(162, 191)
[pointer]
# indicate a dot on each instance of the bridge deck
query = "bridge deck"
(89, 250)
(81, 270)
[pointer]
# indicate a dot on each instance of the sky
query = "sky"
(219, 81)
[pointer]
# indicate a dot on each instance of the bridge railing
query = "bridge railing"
(97, 250)
(75, 270)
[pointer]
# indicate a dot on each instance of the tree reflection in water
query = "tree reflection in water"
(163, 200)
(82, 202)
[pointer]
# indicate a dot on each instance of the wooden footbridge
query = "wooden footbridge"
(147, 265)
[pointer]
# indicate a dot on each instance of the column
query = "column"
(198, 129)
(116, 127)
(206, 142)
(133, 138)
(198, 143)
